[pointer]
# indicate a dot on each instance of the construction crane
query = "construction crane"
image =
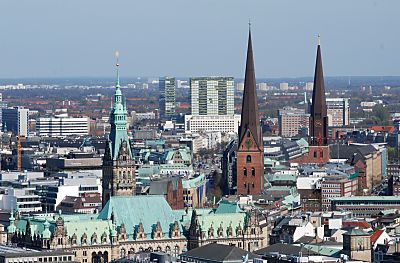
(19, 153)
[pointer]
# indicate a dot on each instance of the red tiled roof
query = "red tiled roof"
(360, 224)
(377, 128)
(374, 237)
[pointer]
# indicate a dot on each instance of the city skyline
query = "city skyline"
(61, 40)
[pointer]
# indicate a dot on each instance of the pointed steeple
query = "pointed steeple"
(249, 116)
(118, 118)
(318, 107)
(318, 110)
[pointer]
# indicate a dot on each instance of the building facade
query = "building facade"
(338, 110)
(60, 127)
(212, 95)
(212, 123)
(337, 186)
(16, 120)
(167, 89)
(291, 120)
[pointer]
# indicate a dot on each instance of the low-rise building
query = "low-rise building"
(365, 206)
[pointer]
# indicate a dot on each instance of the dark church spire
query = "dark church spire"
(318, 112)
(249, 117)
(318, 106)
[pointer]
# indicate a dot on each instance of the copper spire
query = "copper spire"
(249, 116)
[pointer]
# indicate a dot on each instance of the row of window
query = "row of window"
(253, 171)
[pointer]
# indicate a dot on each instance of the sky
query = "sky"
(78, 38)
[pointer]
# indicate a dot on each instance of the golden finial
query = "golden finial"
(319, 39)
(117, 56)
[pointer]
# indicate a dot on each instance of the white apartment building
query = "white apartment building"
(25, 200)
(212, 123)
(212, 95)
(64, 126)
(76, 184)
(338, 111)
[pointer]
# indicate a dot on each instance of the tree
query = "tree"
(380, 115)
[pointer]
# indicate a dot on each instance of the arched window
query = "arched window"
(248, 159)
(123, 253)
(244, 172)
(176, 251)
(253, 171)
(248, 133)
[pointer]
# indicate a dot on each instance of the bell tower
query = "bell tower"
(118, 162)
(250, 152)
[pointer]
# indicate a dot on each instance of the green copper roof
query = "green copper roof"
(226, 207)
(118, 115)
(206, 220)
(88, 227)
(132, 210)
(46, 232)
(194, 182)
(185, 155)
(323, 250)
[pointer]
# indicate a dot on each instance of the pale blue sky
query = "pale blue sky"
(70, 38)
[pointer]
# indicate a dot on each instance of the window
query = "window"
(322, 154)
(315, 154)
(84, 253)
(244, 171)
(248, 159)
(253, 171)
(248, 133)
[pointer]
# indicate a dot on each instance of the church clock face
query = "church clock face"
(248, 143)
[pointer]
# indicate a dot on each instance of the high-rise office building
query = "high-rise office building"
(16, 120)
(291, 120)
(338, 110)
(212, 95)
(167, 88)
(3, 105)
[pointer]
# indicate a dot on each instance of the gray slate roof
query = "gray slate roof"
(218, 253)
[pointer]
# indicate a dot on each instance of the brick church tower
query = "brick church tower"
(318, 139)
(250, 152)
